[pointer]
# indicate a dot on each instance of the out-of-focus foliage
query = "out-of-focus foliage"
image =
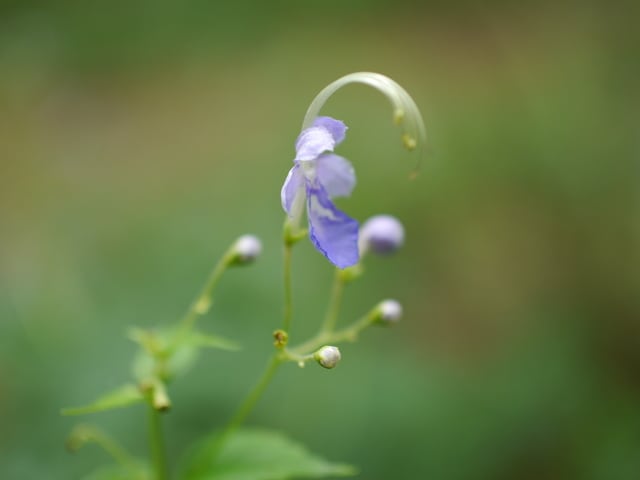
(138, 139)
(260, 455)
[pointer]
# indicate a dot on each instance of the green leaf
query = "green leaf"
(116, 472)
(186, 354)
(199, 339)
(151, 341)
(122, 397)
(161, 342)
(254, 454)
(176, 351)
(143, 366)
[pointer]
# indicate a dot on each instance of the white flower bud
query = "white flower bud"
(327, 356)
(246, 249)
(390, 311)
(382, 234)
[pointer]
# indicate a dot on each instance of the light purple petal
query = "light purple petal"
(291, 187)
(312, 142)
(336, 174)
(332, 232)
(337, 128)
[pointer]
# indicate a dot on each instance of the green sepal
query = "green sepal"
(121, 397)
(352, 273)
(255, 454)
(292, 234)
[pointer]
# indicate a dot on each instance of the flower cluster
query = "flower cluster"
(317, 177)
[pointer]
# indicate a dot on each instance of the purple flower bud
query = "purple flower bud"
(382, 234)
(246, 249)
(327, 356)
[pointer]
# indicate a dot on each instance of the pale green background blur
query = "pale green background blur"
(138, 139)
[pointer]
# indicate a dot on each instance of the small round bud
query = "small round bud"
(327, 357)
(389, 311)
(160, 399)
(382, 234)
(280, 338)
(246, 249)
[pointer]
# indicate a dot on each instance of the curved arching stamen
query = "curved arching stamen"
(405, 111)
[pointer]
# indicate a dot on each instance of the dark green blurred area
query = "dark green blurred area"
(138, 139)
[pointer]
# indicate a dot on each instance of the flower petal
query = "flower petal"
(337, 128)
(291, 187)
(312, 142)
(332, 232)
(336, 174)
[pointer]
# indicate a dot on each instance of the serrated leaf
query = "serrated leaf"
(121, 397)
(117, 472)
(253, 454)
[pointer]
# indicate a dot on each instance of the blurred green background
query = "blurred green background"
(138, 139)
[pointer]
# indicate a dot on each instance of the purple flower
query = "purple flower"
(318, 177)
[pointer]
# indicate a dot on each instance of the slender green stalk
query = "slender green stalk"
(115, 450)
(85, 434)
(276, 360)
(349, 333)
(156, 445)
(311, 345)
(288, 292)
(335, 301)
(201, 304)
(251, 399)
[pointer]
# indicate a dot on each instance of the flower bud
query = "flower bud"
(389, 312)
(246, 249)
(327, 357)
(280, 338)
(160, 399)
(382, 234)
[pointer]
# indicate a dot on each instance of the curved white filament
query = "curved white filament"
(405, 111)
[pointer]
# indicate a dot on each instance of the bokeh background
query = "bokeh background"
(138, 139)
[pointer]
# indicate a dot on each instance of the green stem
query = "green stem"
(251, 399)
(116, 451)
(334, 303)
(87, 434)
(312, 344)
(288, 292)
(254, 395)
(201, 304)
(349, 333)
(156, 444)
